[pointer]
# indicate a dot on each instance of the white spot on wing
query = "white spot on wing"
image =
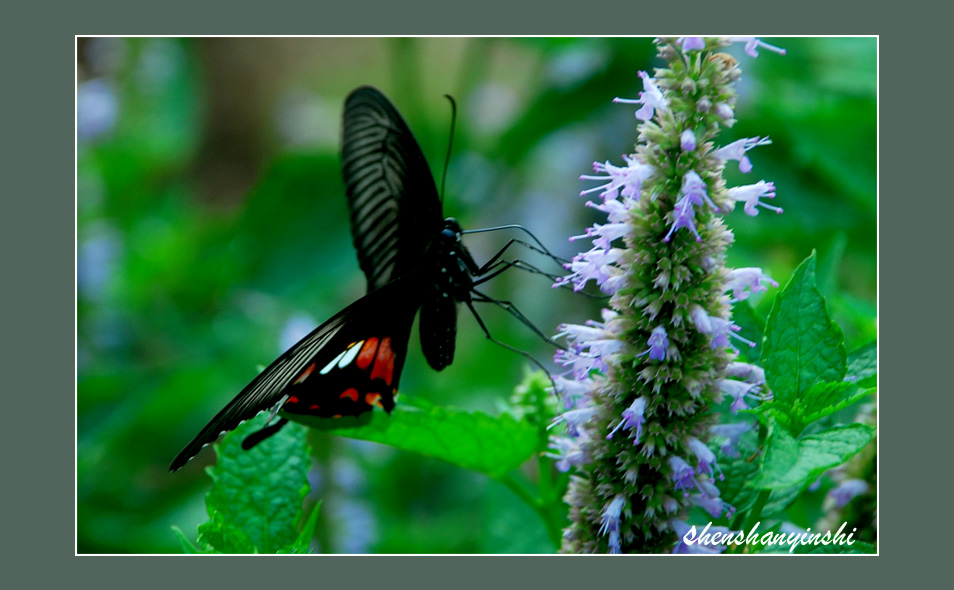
(332, 364)
(350, 354)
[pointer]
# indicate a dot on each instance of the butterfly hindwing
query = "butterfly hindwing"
(393, 201)
(326, 364)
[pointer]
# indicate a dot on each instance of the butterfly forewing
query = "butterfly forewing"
(394, 206)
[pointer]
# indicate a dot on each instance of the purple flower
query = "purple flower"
(737, 149)
(694, 188)
(683, 475)
(738, 391)
(753, 43)
(751, 193)
(567, 452)
(593, 264)
(616, 211)
(847, 491)
(605, 234)
(732, 433)
(693, 43)
(706, 457)
(610, 522)
(632, 418)
(714, 506)
(630, 178)
(683, 215)
(580, 364)
(651, 98)
(708, 499)
(720, 330)
(695, 546)
(746, 372)
(574, 419)
(658, 343)
(724, 111)
(750, 278)
(573, 391)
(687, 141)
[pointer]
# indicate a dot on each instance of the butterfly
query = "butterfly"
(413, 259)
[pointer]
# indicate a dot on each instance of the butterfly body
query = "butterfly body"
(412, 259)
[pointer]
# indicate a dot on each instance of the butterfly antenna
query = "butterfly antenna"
(450, 142)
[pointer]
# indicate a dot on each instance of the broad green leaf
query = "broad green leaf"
(789, 462)
(824, 399)
(472, 440)
(733, 490)
(255, 502)
(820, 400)
(187, 546)
(802, 344)
(752, 327)
(221, 537)
(307, 532)
(863, 365)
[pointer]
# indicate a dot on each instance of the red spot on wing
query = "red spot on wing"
(350, 393)
(373, 399)
(305, 374)
(367, 353)
(384, 362)
(313, 407)
(292, 400)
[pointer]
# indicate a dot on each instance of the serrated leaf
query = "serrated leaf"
(472, 440)
(824, 399)
(187, 546)
(802, 344)
(751, 327)
(256, 496)
(863, 365)
(221, 537)
(303, 542)
(789, 462)
(820, 400)
(733, 490)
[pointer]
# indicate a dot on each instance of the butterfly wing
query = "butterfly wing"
(345, 367)
(394, 206)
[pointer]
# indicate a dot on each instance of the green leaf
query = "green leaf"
(820, 400)
(738, 472)
(824, 399)
(472, 440)
(863, 365)
(187, 545)
(255, 502)
(752, 327)
(789, 462)
(307, 532)
(802, 344)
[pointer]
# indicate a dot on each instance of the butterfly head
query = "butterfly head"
(451, 231)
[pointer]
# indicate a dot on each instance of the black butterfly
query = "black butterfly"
(412, 258)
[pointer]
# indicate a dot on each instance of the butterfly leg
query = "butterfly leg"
(510, 308)
(526, 354)
(539, 247)
(502, 265)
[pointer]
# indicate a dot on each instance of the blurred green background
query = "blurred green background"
(212, 232)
